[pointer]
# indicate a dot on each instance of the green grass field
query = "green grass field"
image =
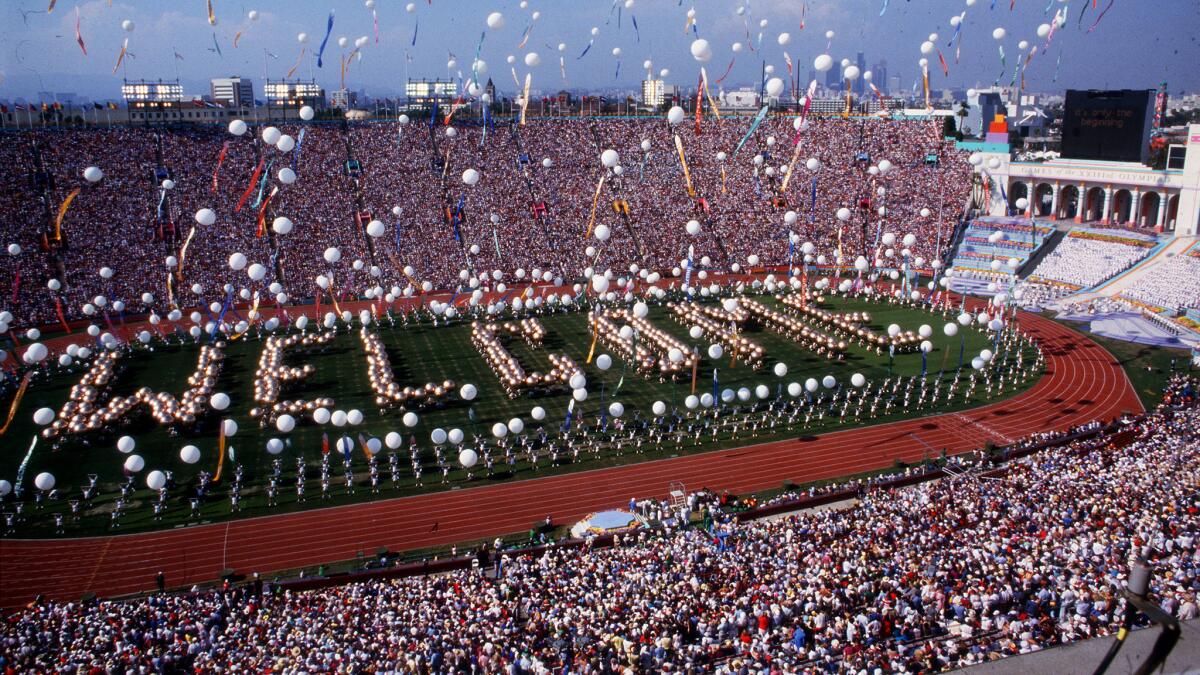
(419, 354)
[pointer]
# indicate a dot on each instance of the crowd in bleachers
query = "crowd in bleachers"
(1084, 262)
(114, 222)
(1173, 285)
(919, 579)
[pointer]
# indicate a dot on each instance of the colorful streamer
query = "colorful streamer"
(325, 40)
(295, 65)
(220, 161)
(212, 17)
(762, 114)
(62, 211)
(595, 203)
(121, 55)
(12, 411)
(183, 249)
(78, 35)
(237, 37)
(524, 37)
(687, 175)
(250, 188)
(1097, 21)
(728, 69)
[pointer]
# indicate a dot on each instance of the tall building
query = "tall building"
(233, 91)
(860, 84)
(833, 78)
(879, 75)
(895, 87)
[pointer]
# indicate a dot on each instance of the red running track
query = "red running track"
(1083, 382)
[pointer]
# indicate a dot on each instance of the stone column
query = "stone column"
(1081, 203)
(1162, 212)
(1054, 201)
(1135, 201)
(1107, 206)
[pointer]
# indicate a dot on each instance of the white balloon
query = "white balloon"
(44, 481)
(93, 174)
(189, 454)
(126, 444)
(701, 51)
(285, 423)
(134, 463)
(307, 113)
(495, 20)
(468, 457)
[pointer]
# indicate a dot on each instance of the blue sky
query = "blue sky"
(1137, 44)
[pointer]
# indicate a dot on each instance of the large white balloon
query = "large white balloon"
(44, 481)
(134, 463)
(156, 480)
(468, 458)
(126, 444)
(701, 51)
(675, 115)
(189, 454)
(285, 423)
(495, 20)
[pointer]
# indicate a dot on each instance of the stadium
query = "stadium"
(797, 377)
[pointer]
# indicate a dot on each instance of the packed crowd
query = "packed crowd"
(1084, 262)
(925, 578)
(410, 179)
(1174, 285)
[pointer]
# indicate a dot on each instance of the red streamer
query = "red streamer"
(250, 188)
(220, 161)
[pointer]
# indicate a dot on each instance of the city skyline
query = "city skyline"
(180, 43)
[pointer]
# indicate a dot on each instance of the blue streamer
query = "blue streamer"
(217, 45)
(618, 73)
(325, 40)
(416, 27)
(299, 144)
(753, 127)
(585, 50)
(635, 28)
